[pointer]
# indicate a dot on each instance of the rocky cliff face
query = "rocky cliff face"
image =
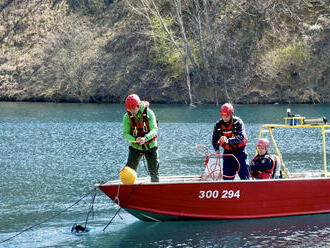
(165, 51)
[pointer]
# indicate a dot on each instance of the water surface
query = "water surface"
(51, 154)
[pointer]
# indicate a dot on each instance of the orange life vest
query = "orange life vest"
(230, 131)
(269, 173)
(142, 128)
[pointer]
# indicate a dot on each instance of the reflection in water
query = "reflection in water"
(301, 231)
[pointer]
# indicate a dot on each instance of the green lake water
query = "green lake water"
(51, 154)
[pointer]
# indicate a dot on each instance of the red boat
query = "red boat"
(197, 197)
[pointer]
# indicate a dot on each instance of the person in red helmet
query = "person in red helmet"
(140, 129)
(229, 133)
(263, 164)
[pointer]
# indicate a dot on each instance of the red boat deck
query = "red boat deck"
(183, 198)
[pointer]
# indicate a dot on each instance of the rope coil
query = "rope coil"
(213, 170)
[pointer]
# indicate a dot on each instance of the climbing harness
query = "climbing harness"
(213, 169)
(140, 129)
(229, 131)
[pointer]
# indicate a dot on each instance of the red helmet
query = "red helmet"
(264, 143)
(132, 101)
(227, 109)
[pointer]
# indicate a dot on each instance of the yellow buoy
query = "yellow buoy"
(127, 175)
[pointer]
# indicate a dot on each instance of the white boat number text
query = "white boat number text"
(215, 194)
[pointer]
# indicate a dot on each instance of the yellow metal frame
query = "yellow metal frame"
(294, 121)
(269, 129)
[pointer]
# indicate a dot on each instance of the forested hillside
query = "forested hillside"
(167, 51)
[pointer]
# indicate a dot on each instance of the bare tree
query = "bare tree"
(187, 52)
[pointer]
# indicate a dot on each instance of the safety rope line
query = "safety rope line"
(120, 208)
(49, 218)
(144, 164)
(238, 163)
(214, 167)
(91, 207)
(116, 200)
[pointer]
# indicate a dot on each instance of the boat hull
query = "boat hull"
(221, 199)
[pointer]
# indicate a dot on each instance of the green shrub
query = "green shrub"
(164, 52)
(291, 54)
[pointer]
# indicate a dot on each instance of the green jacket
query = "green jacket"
(152, 126)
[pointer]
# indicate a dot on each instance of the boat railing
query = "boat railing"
(297, 122)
